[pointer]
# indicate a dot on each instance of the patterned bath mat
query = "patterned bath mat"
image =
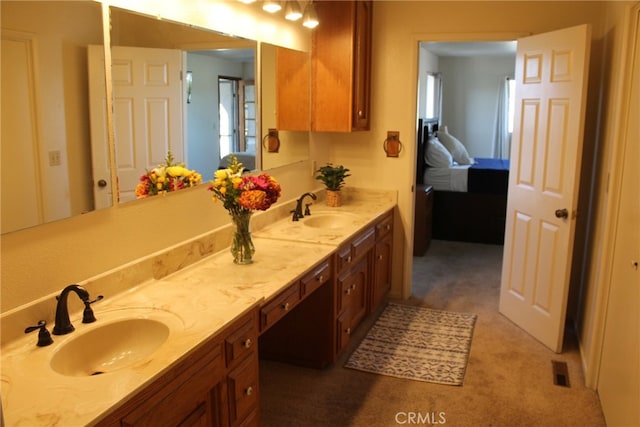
(417, 343)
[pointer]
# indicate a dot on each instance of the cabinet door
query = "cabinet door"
(341, 66)
(352, 288)
(362, 66)
(381, 271)
(194, 397)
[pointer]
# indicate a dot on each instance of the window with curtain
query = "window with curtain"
(433, 95)
(504, 118)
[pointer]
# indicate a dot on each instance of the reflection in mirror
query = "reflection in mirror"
(285, 105)
(46, 133)
(157, 111)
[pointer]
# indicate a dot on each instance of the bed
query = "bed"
(469, 200)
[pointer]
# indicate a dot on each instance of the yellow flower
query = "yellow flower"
(220, 174)
(177, 171)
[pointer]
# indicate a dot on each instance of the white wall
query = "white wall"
(470, 98)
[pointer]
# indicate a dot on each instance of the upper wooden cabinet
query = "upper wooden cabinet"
(292, 89)
(341, 66)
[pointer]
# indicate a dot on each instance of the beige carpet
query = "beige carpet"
(416, 343)
(508, 381)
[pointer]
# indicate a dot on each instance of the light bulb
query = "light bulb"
(292, 10)
(271, 6)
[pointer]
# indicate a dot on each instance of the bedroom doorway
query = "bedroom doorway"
(552, 76)
(473, 74)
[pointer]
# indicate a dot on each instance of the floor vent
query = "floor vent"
(560, 373)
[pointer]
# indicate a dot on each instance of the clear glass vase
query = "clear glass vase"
(242, 247)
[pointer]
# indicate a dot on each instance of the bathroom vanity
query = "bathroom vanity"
(311, 284)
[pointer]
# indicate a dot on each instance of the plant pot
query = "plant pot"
(333, 198)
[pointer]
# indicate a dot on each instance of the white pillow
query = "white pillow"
(455, 147)
(436, 155)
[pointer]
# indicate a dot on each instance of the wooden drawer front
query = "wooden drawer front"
(344, 258)
(281, 305)
(363, 243)
(241, 342)
(384, 227)
(242, 384)
(315, 279)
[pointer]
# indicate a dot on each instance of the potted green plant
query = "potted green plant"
(333, 179)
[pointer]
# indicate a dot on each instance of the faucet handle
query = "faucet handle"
(87, 314)
(306, 208)
(44, 337)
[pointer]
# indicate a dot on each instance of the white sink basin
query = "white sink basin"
(329, 220)
(110, 347)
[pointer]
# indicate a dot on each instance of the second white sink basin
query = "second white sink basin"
(110, 347)
(329, 220)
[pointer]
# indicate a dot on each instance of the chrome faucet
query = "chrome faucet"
(297, 212)
(63, 323)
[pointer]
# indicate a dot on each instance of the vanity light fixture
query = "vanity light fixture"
(310, 17)
(247, 1)
(292, 10)
(271, 6)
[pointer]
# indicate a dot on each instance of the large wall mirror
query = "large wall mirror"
(54, 136)
(179, 89)
(47, 171)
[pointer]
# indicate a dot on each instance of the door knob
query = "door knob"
(562, 213)
(102, 183)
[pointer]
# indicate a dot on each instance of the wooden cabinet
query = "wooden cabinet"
(216, 385)
(363, 276)
(292, 89)
(381, 277)
(351, 300)
(341, 66)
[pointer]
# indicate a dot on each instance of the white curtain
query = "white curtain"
(502, 136)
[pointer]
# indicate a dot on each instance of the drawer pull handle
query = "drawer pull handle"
(321, 278)
(247, 343)
(349, 258)
(380, 257)
(285, 306)
(348, 291)
(348, 331)
(388, 227)
(248, 391)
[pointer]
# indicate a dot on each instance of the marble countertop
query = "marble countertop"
(196, 302)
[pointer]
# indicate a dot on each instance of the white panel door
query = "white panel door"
(20, 146)
(147, 90)
(551, 84)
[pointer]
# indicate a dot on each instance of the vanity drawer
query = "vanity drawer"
(359, 246)
(319, 276)
(242, 384)
(242, 341)
(279, 307)
(363, 243)
(384, 227)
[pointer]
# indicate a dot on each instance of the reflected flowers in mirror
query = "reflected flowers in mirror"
(165, 178)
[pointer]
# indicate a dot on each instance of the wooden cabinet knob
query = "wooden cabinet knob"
(285, 306)
(247, 343)
(248, 391)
